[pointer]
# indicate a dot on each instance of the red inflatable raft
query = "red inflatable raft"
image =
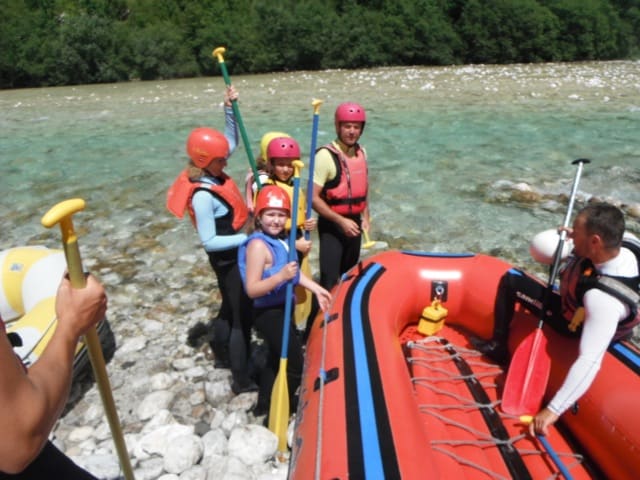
(380, 400)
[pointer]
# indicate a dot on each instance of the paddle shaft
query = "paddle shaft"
(557, 257)
(279, 408)
(61, 213)
(554, 456)
(292, 257)
(218, 54)
(312, 159)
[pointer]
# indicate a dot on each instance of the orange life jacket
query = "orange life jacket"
(183, 188)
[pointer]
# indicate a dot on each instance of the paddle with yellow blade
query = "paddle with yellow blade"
(528, 372)
(279, 408)
(303, 296)
(62, 213)
(218, 53)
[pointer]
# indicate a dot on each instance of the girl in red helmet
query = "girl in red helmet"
(265, 271)
(219, 213)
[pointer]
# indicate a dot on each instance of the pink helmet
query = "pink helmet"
(272, 196)
(283, 147)
(204, 144)
(350, 112)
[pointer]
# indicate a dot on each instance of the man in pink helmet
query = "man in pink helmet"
(340, 186)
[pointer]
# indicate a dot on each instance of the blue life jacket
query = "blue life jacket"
(280, 257)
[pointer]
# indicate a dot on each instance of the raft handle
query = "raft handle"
(329, 376)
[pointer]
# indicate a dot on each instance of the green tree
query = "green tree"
(158, 51)
(503, 31)
(590, 30)
(89, 49)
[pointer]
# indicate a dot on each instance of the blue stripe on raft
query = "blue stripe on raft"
(368, 425)
(627, 355)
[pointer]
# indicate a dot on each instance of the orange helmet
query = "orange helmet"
(283, 147)
(272, 196)
(204, 144)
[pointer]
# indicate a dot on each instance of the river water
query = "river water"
(468, 158)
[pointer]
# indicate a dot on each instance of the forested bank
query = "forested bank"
(65, 42)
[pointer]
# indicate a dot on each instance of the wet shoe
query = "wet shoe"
(196, 335)
(493, 349)
(260, 409)
(238, 388)
(221, 363)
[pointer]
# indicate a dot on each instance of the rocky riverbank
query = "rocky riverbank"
(179, 416)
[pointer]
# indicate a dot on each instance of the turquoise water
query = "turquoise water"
(474, 158)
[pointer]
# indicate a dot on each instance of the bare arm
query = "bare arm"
(33, 400)
(259, 259)
(323, 296)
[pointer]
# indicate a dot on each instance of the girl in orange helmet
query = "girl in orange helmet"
(265, 271)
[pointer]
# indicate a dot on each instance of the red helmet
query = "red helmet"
(350, 112)
(204, 144)
(283, 147)
(272, 196)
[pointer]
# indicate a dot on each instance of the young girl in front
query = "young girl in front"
(266, 270)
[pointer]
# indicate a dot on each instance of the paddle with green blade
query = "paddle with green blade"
(279, 408)
(61, 213)
(218, 53)
(529, 370)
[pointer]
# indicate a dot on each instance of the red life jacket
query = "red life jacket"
(346, 193)
(181, 192)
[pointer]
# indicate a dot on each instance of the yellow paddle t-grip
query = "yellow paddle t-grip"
(218, 53)
(61, 214)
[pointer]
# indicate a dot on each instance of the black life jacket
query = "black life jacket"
(625, 289)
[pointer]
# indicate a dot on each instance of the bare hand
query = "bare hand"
(310, 224)
(290, 270)
(78, 309)
(230, 95)
(349, 227)
(303, 246)
(324, 298)
(542, 421)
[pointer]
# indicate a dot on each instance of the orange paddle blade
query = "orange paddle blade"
(527, 376)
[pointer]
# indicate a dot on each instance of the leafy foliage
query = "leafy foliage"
(62, 42)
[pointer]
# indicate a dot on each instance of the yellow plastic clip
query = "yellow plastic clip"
(432, 318)
(576, 321)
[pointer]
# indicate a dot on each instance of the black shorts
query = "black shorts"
(51, 463)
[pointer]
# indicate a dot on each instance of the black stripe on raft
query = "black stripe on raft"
(363, 382)
(510, 455)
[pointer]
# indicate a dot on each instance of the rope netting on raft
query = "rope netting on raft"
(451, 383)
